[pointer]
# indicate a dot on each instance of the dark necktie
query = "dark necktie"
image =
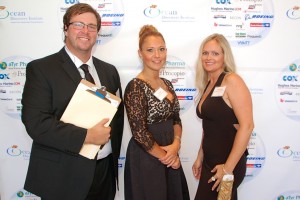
(87, 74)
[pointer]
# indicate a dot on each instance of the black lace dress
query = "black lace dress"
(151, 120)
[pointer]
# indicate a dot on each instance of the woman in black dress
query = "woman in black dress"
(152, 167)
(225, 107)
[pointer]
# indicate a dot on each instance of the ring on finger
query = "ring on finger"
(213, 178)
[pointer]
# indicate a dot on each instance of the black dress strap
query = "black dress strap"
(220, 79)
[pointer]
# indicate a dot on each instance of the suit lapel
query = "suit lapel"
(69, 67)
(101, 74)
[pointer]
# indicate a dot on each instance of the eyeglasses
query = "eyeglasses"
(81, 25)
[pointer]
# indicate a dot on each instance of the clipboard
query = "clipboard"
(86, 108)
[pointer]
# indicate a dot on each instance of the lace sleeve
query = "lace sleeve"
(136, 107)
(177, 119)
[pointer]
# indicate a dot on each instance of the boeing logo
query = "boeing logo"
(247, 16)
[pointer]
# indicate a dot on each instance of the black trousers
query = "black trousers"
(104, 183)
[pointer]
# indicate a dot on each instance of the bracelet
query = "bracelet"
(224, 169)
(177, 137)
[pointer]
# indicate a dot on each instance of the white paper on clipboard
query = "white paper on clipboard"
(86, 109)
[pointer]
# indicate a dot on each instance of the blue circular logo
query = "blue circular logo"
(293, 67)
(20, 194)
(3, 65)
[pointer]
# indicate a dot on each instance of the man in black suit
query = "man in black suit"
(56, 170)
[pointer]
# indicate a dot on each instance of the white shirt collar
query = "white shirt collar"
(77, 61)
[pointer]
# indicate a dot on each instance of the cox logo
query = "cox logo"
(223, 1)
(14, 151)
(290, 78)
(152, 11)
(3, 65)
(285, 152)
(71, 1)
(4, 76)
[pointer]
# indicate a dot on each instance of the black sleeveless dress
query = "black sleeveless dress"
(219, 133)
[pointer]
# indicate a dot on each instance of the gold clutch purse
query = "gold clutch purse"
(225, 189)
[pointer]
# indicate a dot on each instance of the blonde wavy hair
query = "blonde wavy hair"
(202, 78)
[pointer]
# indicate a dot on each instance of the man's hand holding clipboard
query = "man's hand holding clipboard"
(92, 108)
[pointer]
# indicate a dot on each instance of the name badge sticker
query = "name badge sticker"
(160, 93)
(218, 91)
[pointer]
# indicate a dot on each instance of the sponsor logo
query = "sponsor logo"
(286, 93)
(254, 36)
(235, 17)
(115, 23)
(152, 11)
(285, 152)
(288, 101)
(113, 15)
(3, 65)
(290, 78)
(172, 73)
(223, 25)
(293, 67)
(223, 1)
(4, 76)
(293, 13)
(243, 43)
(185, 90)
(3, 13)
(255, 158)
(260, 24)
(13, 151)
(71, 1)
(253, 165)
(240, 35)
(251, 7)
(26, 195)
(185, 97)
(220, 16)
(239, 26)
(248, 16)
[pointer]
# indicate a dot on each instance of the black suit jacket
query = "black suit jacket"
(56, 170)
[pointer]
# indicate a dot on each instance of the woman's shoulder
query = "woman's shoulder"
(232, 78)
(135, 83)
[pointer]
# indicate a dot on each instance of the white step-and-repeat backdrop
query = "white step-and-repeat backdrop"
(265, 37)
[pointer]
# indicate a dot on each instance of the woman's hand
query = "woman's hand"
(176, 164)
(197, 166)
(218, 176)
(172, 152)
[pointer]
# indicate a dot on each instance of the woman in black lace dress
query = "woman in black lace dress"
(152, 167)
(226, 110)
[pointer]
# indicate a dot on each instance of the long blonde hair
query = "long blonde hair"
(229, 63)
